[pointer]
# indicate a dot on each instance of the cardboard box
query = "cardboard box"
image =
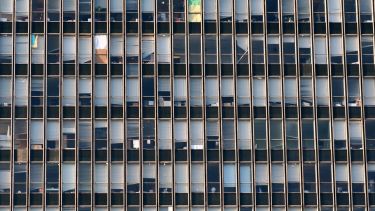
(101, 56)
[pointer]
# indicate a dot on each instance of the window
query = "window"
(257, 11)
(367, 49)
(259, 92)
(37, 49)
(369, 94)
(69, 49)
(178, 11)
(320, 47)
(245, 178)
(116, 49)
(334, 11)
(322, 91)
(230, 178)
(131, 10)
(21, 49)
(210, 49)
(69, 10)
(195, 93)
(210, 11)
(319, 11)
(163, 48)
(366, 11)
(257, 49)
(303, 11)
(261, 178)
(194, 10)
(289, 50)
(5, 91)
(241, 10)
(274, 91)
(179, 49)
(244, 134)
(226, 8)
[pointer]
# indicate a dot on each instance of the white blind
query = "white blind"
(165, 175)
(245, 173)
(197, 173)
(226, 8)
(243, 127)
(101, 173)
(366, 6)
(355, 130)
(85, 86)
(294, 172)
(195, 87)
(259, 89)
(334, 10)
(5, 87)
(69, 5)
(22, 43)
(196, 129)
(6, 6)
(36, 132)
(322, 89)
(230, 175)
(100, 42)
(227, 87)
(243, 87)
(181, 173)
(339, 130)
(164, 129)
(84, 45)
(116, 87)
(149, 171)
(277, 173)
(336, 45)
(21, 87)
(163, 44)
(117, 173)
(180, 130)
(357, 173)
(69, 45)
(257, 7)
(68, 173)
(117, 45)
(147, 5)
(180, 87)
(320, 45)
(133, 174)
(212, 87)
(274, 87)
(6, 44)
(101, 88)
(261, 173)
(241, 6)
(132, 87)
(368, 91)
(341, 173)
(132, 45)
(116, 5)
(351, 44)
(117, 131)
(209, 7)
(53, 129)
(290, 87)
(69, 87)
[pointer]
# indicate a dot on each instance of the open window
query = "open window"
(338, 91)
(53, 135)
(367, 45)
(350, 8)
(178, 11)
(179, 49)
(319, 11)
(354, 96)
(132, 130)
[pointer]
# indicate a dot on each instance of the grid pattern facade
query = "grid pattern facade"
(187, 105)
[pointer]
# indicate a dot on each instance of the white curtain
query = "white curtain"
(53, 129)
(117, 173)
(180, 130)
(341, 172)
(294, 172)
(230, 175)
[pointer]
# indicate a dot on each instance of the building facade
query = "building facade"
(187, 105)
